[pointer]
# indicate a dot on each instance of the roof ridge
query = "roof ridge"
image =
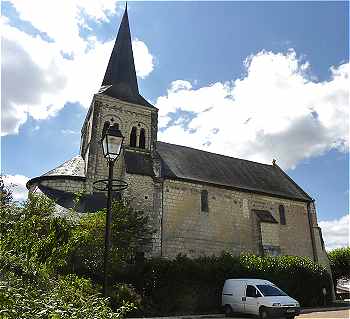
(292, 181)
(222, 155)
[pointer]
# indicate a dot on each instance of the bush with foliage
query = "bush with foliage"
(63, 297)
(130, 232)
(37, 274)
(340, 263)
(184, 285)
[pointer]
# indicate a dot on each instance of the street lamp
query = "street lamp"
(112, 141)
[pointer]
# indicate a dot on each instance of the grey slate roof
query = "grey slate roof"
(120, 79)
(72, 167)
(184, 163)
(180, 162)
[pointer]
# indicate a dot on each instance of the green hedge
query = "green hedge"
(184, 286)
(65, 297)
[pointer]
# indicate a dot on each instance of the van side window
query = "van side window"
(252, 292)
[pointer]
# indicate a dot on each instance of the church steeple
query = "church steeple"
(120, 79)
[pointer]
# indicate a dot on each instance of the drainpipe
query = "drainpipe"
(309, 217)
(161, 221)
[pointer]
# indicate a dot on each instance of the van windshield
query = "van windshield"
(268, 291)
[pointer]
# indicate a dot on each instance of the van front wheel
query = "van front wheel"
(263, 313)
(228, 311)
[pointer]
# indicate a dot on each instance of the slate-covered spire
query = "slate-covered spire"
(120, 79)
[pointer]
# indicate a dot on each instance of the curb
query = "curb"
(221, 315)
(214, 315)
(309, 310)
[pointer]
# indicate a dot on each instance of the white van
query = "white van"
(257, 297)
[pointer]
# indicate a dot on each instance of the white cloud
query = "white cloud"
(275, 111)
(17, 183)
(68, 132)
(61, 20)
(336, 232)
(143, 58)
(39, 80)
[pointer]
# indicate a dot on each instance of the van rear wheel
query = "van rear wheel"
(228, 311)
(263, 313)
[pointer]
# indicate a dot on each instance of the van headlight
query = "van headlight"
(297, 304)
(276, 304)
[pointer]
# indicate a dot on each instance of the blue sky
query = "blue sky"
(256, 80)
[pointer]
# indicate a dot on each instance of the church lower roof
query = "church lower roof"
(73, 169)
(185, 163)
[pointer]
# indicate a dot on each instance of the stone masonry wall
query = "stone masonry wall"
(66, 185)
(230, 224)
(270, 234)
(126, 115)
(142, 196)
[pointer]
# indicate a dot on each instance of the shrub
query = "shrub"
(340, 263)
(66, 297)
(184, 285)
(36, 250)
(130, 232)
(35, 236)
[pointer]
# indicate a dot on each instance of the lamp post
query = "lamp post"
(112, 141)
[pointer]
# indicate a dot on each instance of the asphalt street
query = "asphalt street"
(337, 314)
(344, 314)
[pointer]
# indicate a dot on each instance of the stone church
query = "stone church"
(200, 203)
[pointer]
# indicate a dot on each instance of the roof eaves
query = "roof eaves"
(53, 177)
(237, 188)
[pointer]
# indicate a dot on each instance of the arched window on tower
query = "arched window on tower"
(282, 215)
(142, 142)
(133, 137)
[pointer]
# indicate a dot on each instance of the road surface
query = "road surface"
(343, 314)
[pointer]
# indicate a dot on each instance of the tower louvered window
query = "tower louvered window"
(142, 142)
(133, 137)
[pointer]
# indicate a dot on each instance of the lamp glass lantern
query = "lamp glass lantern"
(112, 142)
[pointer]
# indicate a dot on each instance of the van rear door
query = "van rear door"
(232, 294)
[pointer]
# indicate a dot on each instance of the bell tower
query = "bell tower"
(118, 101)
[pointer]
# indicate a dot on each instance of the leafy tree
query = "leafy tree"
(39, 252)
(55, 298)
(340, 263)
(34, 239)
(130, 233)
(5, 193)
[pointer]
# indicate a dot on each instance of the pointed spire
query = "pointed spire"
(120, 78)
